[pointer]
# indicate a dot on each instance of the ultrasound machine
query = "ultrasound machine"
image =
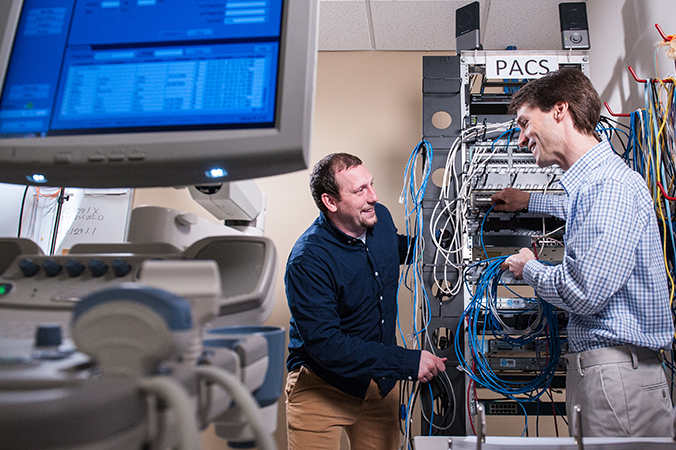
(142, 344)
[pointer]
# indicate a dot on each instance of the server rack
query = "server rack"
(475, 154)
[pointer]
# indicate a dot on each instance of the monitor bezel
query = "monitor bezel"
(179, 158)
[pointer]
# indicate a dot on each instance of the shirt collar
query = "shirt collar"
(579, 172)
(337, 233)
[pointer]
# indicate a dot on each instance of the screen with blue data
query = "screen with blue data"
(111, 66)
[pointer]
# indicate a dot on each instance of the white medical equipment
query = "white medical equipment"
(578, 442)
(140, 345)
(136, 333)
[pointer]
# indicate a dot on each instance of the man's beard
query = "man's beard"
(370, 222)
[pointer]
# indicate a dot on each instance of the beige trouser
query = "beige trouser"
(316, 414)
(622, 391)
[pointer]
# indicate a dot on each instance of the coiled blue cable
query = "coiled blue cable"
(477, 309)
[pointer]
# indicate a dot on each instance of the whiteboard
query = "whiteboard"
(10, 205)
(86, 216)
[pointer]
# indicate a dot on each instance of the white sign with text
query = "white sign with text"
(519, 66)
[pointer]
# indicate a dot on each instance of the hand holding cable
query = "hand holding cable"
(430, 366)
(516, 263)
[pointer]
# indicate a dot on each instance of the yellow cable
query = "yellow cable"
(662, 216)
(666, 261)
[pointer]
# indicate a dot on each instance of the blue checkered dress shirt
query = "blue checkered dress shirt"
(612, 279)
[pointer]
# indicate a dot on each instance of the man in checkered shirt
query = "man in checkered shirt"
(612, 279)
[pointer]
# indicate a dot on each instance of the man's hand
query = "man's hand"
(430, 366)
(516, 262)
(510, 199)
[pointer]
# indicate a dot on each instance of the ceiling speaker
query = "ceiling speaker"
(574, 27)
(467, 28)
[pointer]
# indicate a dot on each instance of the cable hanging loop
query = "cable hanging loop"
(665, 38)
(639, 80)
(614, 114)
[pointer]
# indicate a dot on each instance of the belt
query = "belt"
(611, 355)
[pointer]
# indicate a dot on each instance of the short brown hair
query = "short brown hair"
(564, 85)
(323, 177)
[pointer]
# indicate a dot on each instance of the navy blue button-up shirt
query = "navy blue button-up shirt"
(342, 295)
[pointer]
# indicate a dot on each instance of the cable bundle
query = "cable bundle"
(441, 387)
(650, 149)
(412, 200)
(482, 320)
(451, 208)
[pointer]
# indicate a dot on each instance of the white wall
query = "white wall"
(623, 33)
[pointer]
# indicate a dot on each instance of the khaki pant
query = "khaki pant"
(622, 392)
(316, 414)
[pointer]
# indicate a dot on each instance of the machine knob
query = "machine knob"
(74, 268)
(575, 38)
(48, 335)
(97, 268)
(120, 267)
(51, 267)
(28, 267)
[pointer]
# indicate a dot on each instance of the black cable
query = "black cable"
(23, 204)
(60, 199)
(441, 403)
(403, 399)
(611, 133)
(615, 122)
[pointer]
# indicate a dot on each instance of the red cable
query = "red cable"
(469, 408)
(664, 193)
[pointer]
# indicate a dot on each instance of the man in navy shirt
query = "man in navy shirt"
(341, 286)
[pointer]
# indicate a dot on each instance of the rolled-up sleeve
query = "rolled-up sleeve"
(598, 259)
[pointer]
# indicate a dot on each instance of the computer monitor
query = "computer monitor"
(140, 93)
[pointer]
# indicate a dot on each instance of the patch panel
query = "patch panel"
(496, 346)
(511, 408)
(505, 363)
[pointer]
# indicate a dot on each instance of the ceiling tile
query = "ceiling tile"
(414, 24)
(421, 25)
(527, 24)
(343, 25)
